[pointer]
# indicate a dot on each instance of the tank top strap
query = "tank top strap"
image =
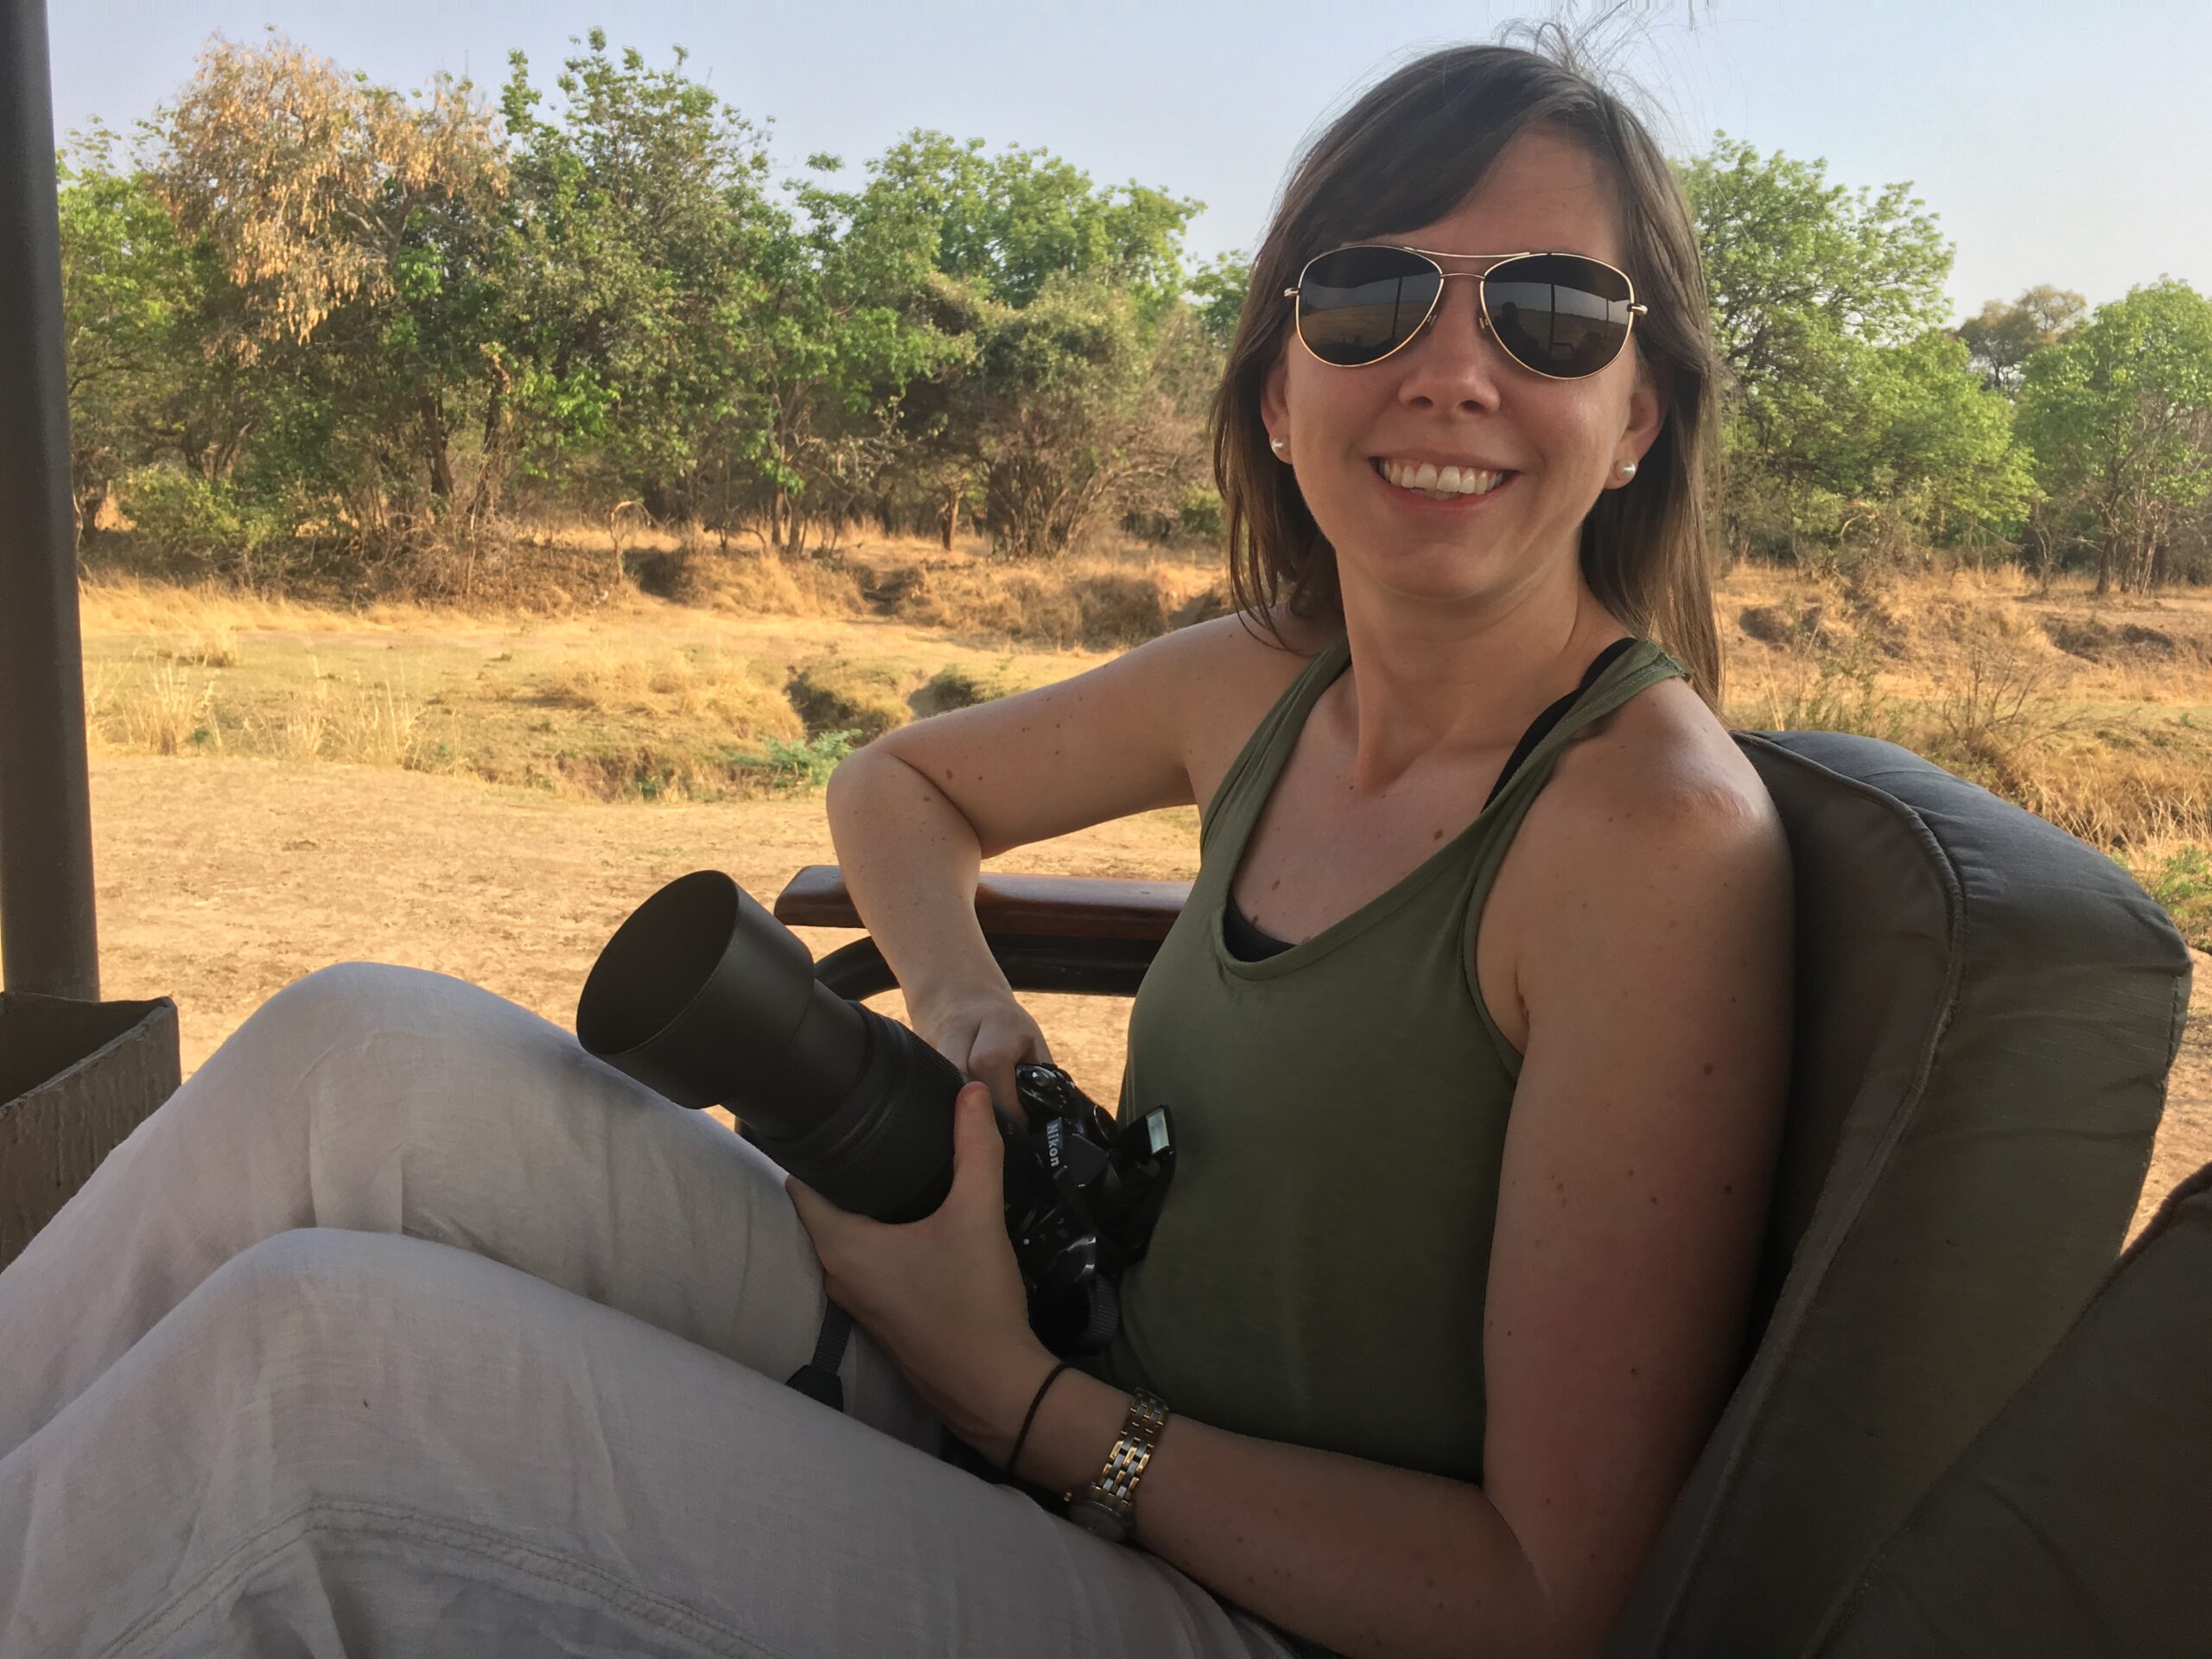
(1244, 787)
(1643, 665)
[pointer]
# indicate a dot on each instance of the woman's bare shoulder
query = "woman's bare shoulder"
(1656, 796)
(1242, 669)
(1663, 754)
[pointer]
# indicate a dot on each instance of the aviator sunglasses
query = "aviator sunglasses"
(1563, 315)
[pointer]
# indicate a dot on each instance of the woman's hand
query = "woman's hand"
(986, 1033)
(942, 1296)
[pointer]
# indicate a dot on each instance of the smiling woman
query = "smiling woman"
(1474, 1027)
(1475, 1125)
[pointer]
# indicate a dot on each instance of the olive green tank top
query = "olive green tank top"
(1317, 1275)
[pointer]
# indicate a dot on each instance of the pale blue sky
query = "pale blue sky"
(2062, 143)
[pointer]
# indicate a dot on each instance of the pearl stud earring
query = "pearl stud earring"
(1278, 445)
(1628, 469)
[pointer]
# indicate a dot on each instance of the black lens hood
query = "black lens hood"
(704, 997)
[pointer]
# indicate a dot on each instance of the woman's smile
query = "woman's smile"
(1426, 488)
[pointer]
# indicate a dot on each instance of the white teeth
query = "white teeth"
(1431, 479)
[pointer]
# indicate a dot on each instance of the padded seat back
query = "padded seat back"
(2077, 1526)
(1986, 1012)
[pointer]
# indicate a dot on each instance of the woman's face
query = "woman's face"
(1453, 397)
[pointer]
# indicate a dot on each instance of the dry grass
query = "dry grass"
(2095, 714)
(866, 698)
(739, 695)
(119, 603)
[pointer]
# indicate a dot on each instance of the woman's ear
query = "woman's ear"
(1647, 411)
(1274, 399)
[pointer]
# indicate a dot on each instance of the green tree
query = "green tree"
(1931, 442)
(640, 252)
(1836, 407)
(2118, 415)
(1217, 291)
(1005, 223)
(964, 244)
(1076, 415)
(129, 295)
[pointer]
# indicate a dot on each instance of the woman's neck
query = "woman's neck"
(1434, 683)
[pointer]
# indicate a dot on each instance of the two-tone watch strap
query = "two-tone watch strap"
(1115, 1488)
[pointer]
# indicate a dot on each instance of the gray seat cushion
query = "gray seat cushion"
(2078, 1525)
(1987, 1009)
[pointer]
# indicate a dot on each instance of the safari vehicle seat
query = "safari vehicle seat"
(2077, 1526)
(1986, 1012)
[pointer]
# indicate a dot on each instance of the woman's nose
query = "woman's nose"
(1456, 360)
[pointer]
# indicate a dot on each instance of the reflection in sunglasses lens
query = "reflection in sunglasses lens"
(1358, 304)
(1557, 314)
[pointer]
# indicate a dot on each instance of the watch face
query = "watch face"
(1094, 1516)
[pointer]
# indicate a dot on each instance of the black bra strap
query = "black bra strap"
(1541, 727)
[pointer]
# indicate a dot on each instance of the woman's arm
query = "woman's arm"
(1633, 1196)
(914, 814)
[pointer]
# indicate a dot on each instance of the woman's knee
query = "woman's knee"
(349, 1001)
(334, 1080)
(322, 1337)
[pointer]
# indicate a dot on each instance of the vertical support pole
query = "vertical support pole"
(49, 943)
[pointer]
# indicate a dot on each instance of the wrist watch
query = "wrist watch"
(1108, 1506)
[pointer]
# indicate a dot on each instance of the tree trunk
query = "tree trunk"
(484, 499)
(435, 450)
(951, 518)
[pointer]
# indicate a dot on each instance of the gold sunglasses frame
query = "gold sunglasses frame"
(1482, 301)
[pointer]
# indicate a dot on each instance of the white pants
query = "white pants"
(408, 1328)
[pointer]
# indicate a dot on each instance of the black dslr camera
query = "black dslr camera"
(706, 998)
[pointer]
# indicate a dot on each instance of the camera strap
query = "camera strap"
(817, 1378)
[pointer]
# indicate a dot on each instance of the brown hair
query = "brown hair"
(1407, 153)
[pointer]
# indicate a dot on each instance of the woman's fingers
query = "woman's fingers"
(988, 1043)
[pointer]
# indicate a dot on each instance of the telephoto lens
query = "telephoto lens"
(706, 998)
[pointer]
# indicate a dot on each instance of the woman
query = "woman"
(1431, 1369)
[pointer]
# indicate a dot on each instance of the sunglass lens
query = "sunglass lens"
(1560, 314)
(1357, 305)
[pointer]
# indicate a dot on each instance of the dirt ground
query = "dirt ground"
(220, 881)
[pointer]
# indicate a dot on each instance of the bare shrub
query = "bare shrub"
(1806, 689)
(1993, 704)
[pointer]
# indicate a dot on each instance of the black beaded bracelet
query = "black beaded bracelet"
(1013, 1458)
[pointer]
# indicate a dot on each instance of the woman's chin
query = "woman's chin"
(1457, 574)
